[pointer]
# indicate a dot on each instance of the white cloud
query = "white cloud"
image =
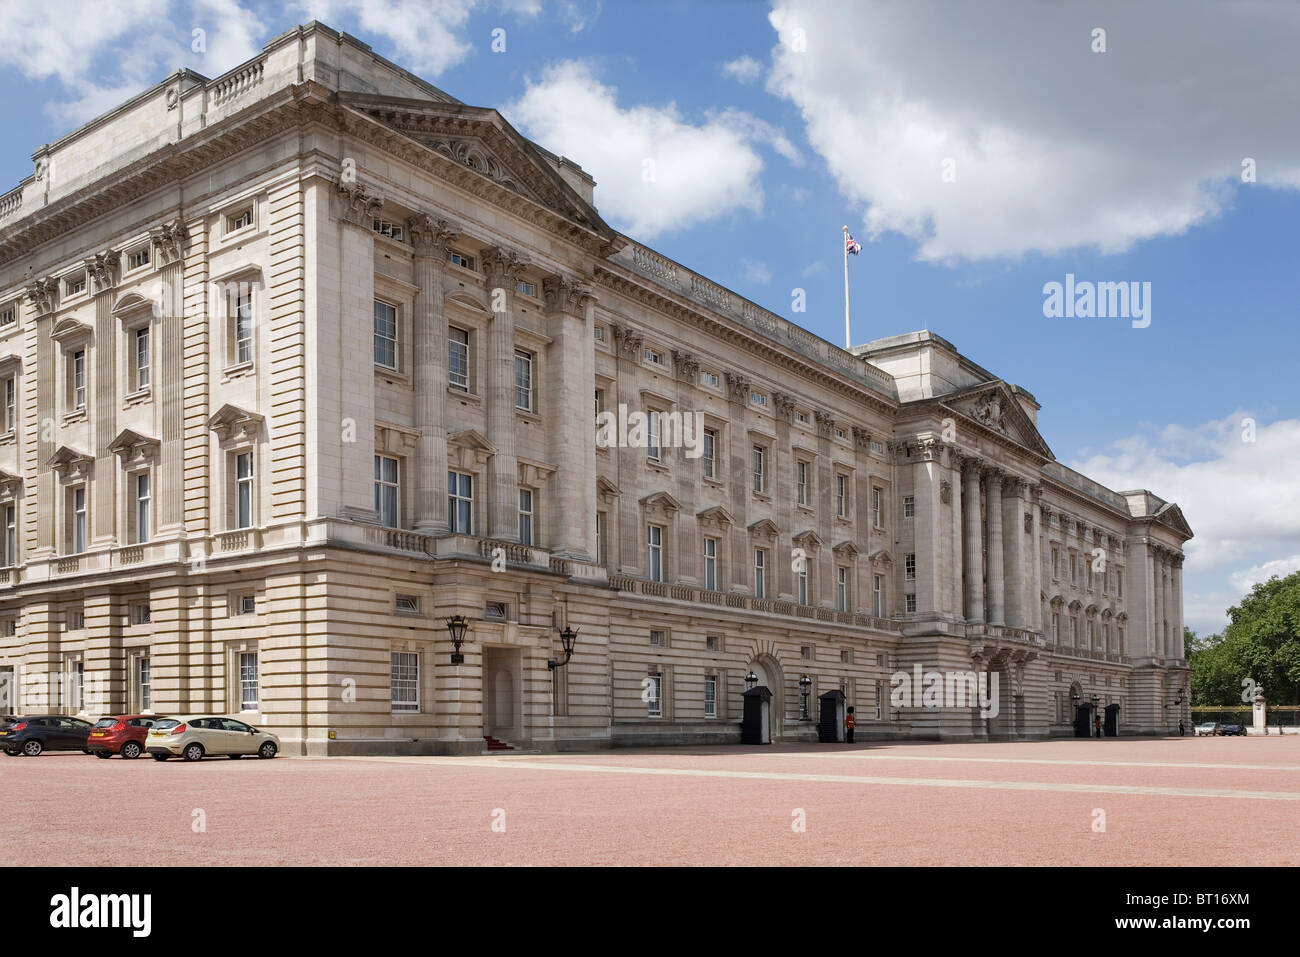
(656, 171)
(757, 272)
(1239, 497)
(1246, 579)
(813, 269)
(761, 131)
(1055, 146)
(745, 69)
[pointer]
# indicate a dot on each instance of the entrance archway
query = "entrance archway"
(501, 692)
(770, 675)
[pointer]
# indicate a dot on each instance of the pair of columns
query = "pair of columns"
(1166, 569)
(985, 533)
(570, 364)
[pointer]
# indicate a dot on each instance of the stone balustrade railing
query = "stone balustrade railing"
(233, 84)
(686, 283)
(11, 202)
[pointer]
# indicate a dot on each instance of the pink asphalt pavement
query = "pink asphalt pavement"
(1212, 801)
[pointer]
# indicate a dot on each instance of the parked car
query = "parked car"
(124, 734)
(194, 737)
(1208, 728)
(46, 732)
(1235, 730)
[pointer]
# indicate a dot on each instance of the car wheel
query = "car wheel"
(161, 757)
(267, 750)
(103, 754)
(130, 750)
(33, 748)
(192, 752)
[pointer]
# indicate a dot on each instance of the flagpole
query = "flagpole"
(848, 338)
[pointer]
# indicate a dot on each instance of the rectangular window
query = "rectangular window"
(405, 681)
(709, 457)
(878, 596)
(384, 228)
(875, 508)
(385, 335)
(460, 503)
(8, 315)
(709, 379)
(244, 490)
(846, 656)
(141, 366)
(137, 257)
(710, 696)
(802, 579)
(461, 260)
(910, 604)
(842, 496)
(598, 333)
(75, 285)
(1056, 563)
(760, 467)
(526, 516)
(387, 492)
(655, 543)
(79, 519)
(653, 357)
(248, 681)
(78, 369)
(239, 220)
(10, 404)
(141, 613)
(909, 568)
(657, 638)
(806, 652)
(406, 605)
(602, 537)
(1056, 629)
(248, 604)
(1074, 632)
(78, 689)
(11, 535)
(654, 700)
(143, 506)
(653, 450)
(458, 358)
(144, 676)
(909, 506)
(527, 288)
(524, 381)
(758, 398)
(801, 482)
(842, 589)
(76, 620)
(496, 611)
(712, 643)
(711, 564)
(760, 573)
(243, 312)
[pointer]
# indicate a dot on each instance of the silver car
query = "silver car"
(194, 737)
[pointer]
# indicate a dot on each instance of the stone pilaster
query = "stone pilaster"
(570, 445)
(502, 268)
(690, 564)
(430, 238)
(823, 580)
(1158, 590)
(631, 554)
(105, 399)
(739, 482)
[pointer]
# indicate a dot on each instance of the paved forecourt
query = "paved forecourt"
(1209, 801)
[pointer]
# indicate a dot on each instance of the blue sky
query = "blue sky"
(771, 125)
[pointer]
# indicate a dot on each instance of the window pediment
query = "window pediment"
(808, 540)
(11, 485)
(660, 503)
(846, 549)
(715, 515)
(880, 556)
(69, 332)
(70, 464)
(606, 489)
(135, 450)
(230, 422)
(10, 365)
(395, 439)
(764, 528)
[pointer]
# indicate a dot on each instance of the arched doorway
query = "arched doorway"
(770, 675)
(501, 692)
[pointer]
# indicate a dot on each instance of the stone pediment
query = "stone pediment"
(606, 488)
(70, 463)
(661, 500)
(993, 406)
(133, 448)
(764, 527)
(1172, 516)
(478, 146)
(715, 514)
(808, 540)
(232, 422)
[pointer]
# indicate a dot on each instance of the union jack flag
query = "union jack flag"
(852, 245)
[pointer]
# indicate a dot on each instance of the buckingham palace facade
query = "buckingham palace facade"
(302, 361)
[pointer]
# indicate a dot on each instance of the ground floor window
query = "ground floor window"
(405, 681)
(248, 681)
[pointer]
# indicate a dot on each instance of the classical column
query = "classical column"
(974, 539)
(169, 243)
(631, 556)
(502, 268)
(103, 268)
(739, 481)
(997, 597)
(430, 238)
(1035, 583)
(566, 398)
(1013, 562)
(824, 579)
(1158, 588)
(1176, 598)
(1166, 575)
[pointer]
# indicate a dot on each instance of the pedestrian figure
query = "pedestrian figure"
(1180, 729)
(848, 725)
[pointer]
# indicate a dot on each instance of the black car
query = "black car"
(47, 732)
(1233, 729)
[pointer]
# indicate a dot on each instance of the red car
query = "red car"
(123, 734)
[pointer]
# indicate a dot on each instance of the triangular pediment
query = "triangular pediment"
(230, 420)
(128, 441)
(661, 500)
(807, 539)
(471, 439)
(764, 526)
(605, 487)
(480, 146)
(68, 459)
(993, 406)
(716, 514)
(1172, 516)
(846, 549)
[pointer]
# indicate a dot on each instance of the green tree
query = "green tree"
(1262, 641)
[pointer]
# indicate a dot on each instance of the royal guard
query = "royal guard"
(848, 725)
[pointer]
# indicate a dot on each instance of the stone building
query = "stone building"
(300, 361)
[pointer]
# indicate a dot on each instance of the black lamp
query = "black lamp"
(805, 683)
(567, 638)
(751, 680)
(457, 625)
